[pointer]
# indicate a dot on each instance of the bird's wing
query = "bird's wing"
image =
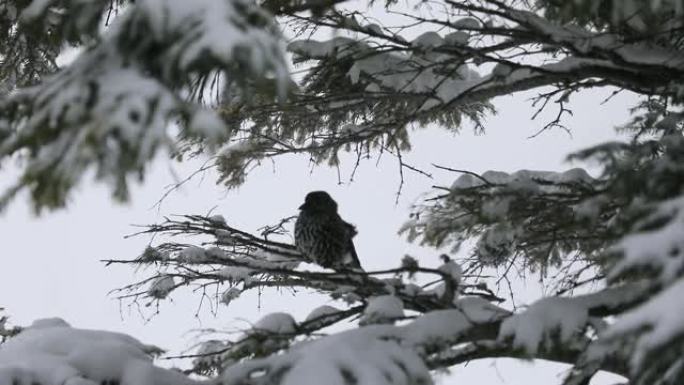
(351, 232)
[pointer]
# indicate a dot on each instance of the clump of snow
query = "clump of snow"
(364, 356)
(236, 274)
(660, 250)
(276, 323)
(655, 323)
(457, 38)
(316, 49)
(502, 70)
(496, 207)
(548, 318)
(466, 181)
(428, 39)
(50, 352)
(276, 260)
(232, 158)
(49, 323)
(230, 295)
(382, 309)
(161, 287)
(192, 254)
(374, 28)
(208, 125)
(322, 311)
(615, 297)
(523, 179)
(436, 328)
(218, 219)
(215, 252)
(467, 23)
(479, 310)
(238, 149)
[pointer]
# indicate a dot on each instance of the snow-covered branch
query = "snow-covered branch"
(449, 329)
(111, 107)
(246, 262)
(384, 82)
(622, 229)
(51, 352)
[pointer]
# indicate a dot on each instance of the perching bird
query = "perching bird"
(322, 236)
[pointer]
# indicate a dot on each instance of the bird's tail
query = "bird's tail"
(354, 262)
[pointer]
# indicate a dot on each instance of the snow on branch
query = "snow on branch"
(36, 32)
(651, 336)
(542, 216)
(246, 262)
(623, 229)
(404, 330)
(373, 354)
(50, 352)
(361, 91)
(388, 79)
(659, 251)
(110, 109)
(548, 318)
(378, 354)
(365, 356)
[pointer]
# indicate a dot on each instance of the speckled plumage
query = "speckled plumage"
(322, 236)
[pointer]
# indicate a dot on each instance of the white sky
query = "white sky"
(51, 264)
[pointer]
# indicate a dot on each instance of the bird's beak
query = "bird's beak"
(302, 206)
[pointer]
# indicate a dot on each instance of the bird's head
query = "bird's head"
(319, 201)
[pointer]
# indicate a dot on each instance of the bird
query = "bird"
(322, 236)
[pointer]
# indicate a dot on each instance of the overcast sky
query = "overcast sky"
(51, 264)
